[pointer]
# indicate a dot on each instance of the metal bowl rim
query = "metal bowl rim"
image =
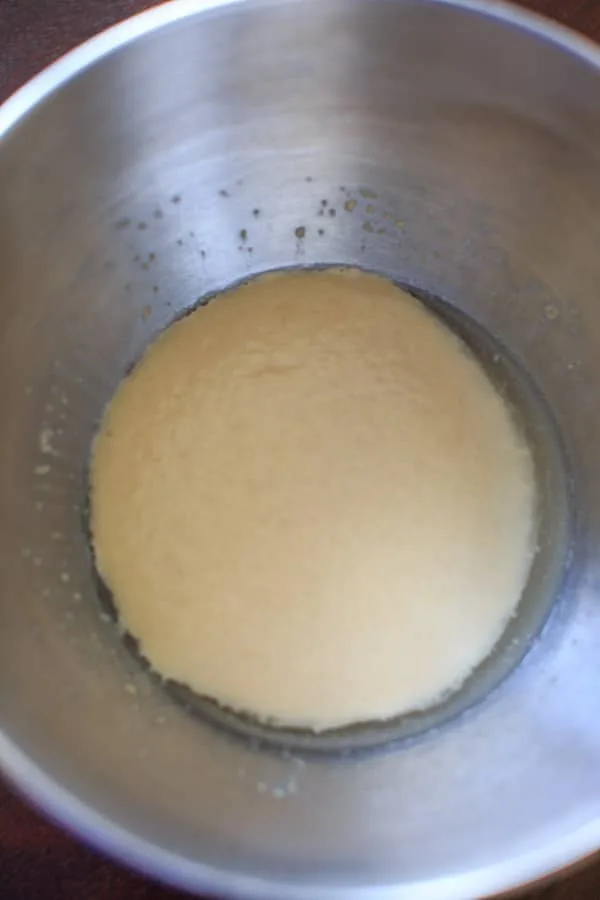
(82, 820)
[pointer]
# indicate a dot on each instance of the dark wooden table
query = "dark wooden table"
(37, 861)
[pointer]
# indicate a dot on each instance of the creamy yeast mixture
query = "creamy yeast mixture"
(310, 502)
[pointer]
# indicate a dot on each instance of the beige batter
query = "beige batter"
(310, 502)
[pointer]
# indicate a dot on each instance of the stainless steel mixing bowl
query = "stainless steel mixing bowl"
(453, 145)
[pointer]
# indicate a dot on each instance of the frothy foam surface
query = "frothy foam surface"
(310, 502)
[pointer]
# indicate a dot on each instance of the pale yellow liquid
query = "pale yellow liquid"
(311, 504)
